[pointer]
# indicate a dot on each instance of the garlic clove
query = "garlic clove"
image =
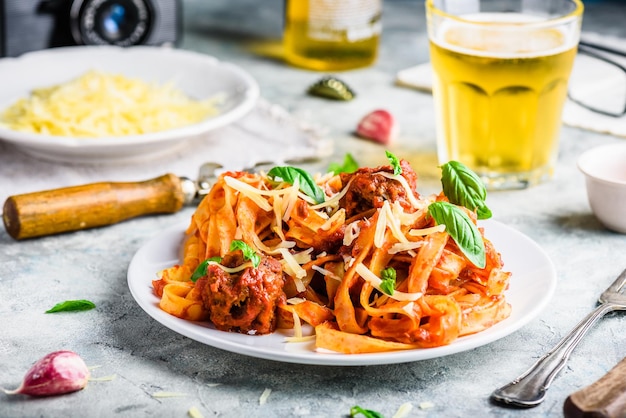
(379, 126)
(55, 374)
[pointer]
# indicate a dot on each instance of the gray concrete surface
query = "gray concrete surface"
(146, 357)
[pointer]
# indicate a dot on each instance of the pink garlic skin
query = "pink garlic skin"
(379, 126)
(57, 373)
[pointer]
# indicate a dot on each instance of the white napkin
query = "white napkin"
(420, 77)
(267, 134)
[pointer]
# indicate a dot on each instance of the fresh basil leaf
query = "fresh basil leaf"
(388, 284)
(461, 229)
(367, 413)
(395, 163)
(349, 165)
(306, 183)
(200, 271)
(72, 305)
(248, 252)
(463, 187)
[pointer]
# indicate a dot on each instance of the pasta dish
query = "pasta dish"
(364, 259)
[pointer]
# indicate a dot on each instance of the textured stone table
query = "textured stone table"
(147, 358)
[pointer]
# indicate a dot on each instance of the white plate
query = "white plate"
(199, 76)
(532, 285)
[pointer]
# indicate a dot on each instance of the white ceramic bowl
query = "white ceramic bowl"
(198, 75)
(604, 168)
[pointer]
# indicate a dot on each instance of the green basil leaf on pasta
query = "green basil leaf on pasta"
(307, 185)
(463, 187)
(395, 163)
(200, 271)
(248, 252)
(388, 280)
(461, 229)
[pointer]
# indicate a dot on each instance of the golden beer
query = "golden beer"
(499, 95)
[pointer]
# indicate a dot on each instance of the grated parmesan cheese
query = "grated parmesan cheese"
(264, 396)
(194, 412)
(375, 281)
(403, 411)
(427, 231)
(250, 192)
(98, 104)
(414, 201)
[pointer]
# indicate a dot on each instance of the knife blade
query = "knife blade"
(605, 398)
(93, 205)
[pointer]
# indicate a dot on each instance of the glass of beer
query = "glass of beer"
(500, 75)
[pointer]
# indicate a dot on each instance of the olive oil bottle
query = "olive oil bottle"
(332, 35)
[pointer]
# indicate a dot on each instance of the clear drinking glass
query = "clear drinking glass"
(501, 69)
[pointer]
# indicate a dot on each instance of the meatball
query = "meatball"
(246, 301)
(369, 190)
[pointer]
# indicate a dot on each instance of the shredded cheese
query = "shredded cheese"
(99, 104)
(381, 226)
(194, 412)
(325, 272)
(252, 193)
(414, 201)
(403, 411)
(404, 246)
(232, 270)
(375, 281)
(167, 394)
(264, 396)
(333, 201)
(427, 231)
(351, 233)
(393, 224)
(293, 265)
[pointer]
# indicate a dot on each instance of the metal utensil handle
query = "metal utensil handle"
(90, 205)
(530, 388)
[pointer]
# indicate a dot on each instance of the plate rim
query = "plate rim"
(236, 343)
(250, 93)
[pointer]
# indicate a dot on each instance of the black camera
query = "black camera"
(31, 25)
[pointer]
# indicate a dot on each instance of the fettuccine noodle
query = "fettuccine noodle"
(330, 257)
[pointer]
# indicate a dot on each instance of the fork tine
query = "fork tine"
(618, 284)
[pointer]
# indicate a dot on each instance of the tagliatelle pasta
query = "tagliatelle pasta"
(369, 269)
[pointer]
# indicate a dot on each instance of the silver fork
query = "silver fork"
(529, 389)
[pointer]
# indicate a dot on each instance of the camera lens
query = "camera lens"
(114, 22)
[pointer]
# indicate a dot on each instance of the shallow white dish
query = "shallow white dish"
(199, 76)
(532, 285)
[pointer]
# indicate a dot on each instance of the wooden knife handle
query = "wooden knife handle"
(91, 205)
(605, 398)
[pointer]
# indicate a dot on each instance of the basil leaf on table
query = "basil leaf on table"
(463, 187)
(462, 230)
(349, 165)
(367, 413)
(72, 305)
(307, 185)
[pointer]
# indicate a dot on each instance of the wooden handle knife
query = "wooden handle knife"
(605, 398)
(93, 205)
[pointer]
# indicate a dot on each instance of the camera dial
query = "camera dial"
(113, 22)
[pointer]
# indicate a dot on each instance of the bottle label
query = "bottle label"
(340, 20)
